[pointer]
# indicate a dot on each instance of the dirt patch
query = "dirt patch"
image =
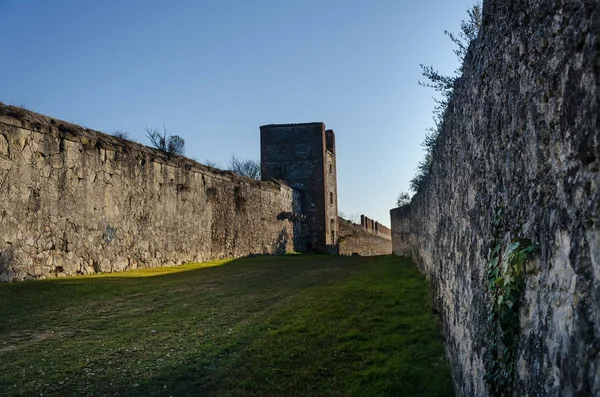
(17, 340)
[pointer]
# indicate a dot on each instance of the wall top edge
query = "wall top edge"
(315, 123)
(26, 119)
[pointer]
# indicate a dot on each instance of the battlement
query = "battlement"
(330, 141)
(375, 227)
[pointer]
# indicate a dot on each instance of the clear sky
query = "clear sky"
(214, 71)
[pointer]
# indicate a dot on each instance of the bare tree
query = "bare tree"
(120, 133)
(171, 144)
(247, 168)
(211, 163)
(353, 217)
(157, 139)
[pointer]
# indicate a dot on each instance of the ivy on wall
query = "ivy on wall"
(506, 282)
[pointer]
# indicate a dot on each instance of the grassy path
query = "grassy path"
(294, 325)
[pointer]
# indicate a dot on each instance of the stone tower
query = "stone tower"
(303, 156)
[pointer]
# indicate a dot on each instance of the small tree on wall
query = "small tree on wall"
(211, 163)
(120, 133)
(403, 199)
(171, 144)
(444, 84)
(247, 168)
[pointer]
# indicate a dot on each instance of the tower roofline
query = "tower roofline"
(292, 124)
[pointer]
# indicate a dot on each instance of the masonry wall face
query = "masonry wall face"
(355, 240)
(522, 134)
(375, 227)
(75, 201)
(403, 237)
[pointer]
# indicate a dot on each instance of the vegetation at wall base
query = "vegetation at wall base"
(287, 325)
(506, 282)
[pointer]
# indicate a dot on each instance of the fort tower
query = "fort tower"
(303, 156)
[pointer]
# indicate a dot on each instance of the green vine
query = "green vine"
(506, 282)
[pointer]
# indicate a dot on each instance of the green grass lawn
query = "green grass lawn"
(279, 326)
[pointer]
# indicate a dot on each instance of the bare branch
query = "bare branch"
(247, 168)
(171, 144)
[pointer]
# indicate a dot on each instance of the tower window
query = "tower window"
(330, 197)
(330, 168)
(332, 229)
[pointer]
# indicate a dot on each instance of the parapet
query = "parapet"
(374, 227)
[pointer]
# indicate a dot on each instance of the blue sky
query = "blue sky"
(214, 71)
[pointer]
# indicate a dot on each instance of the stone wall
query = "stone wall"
(355, 240)
(403, 238)
(375, 227)
(76, 201)
(522, 135)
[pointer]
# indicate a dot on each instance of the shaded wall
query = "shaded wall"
(297, 155)
(521, 135)
(76, 201)
(403, 238)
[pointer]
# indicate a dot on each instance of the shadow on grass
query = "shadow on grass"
(300, 325)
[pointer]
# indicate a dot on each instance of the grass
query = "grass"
(293, 325)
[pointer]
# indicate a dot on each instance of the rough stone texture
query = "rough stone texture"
(403, 238)
(354, 239)
(522, 132)
(331, 205)
(76, 201)
(300, 156)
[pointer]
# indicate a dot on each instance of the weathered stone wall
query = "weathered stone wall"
(403, 238)
(355, 240)
(522, 133)
(76, 201)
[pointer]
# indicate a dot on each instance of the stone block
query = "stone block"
(105, 265)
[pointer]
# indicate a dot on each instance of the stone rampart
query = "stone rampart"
(519, 149)
(371, 226)
(354, 239)
(77, 201)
